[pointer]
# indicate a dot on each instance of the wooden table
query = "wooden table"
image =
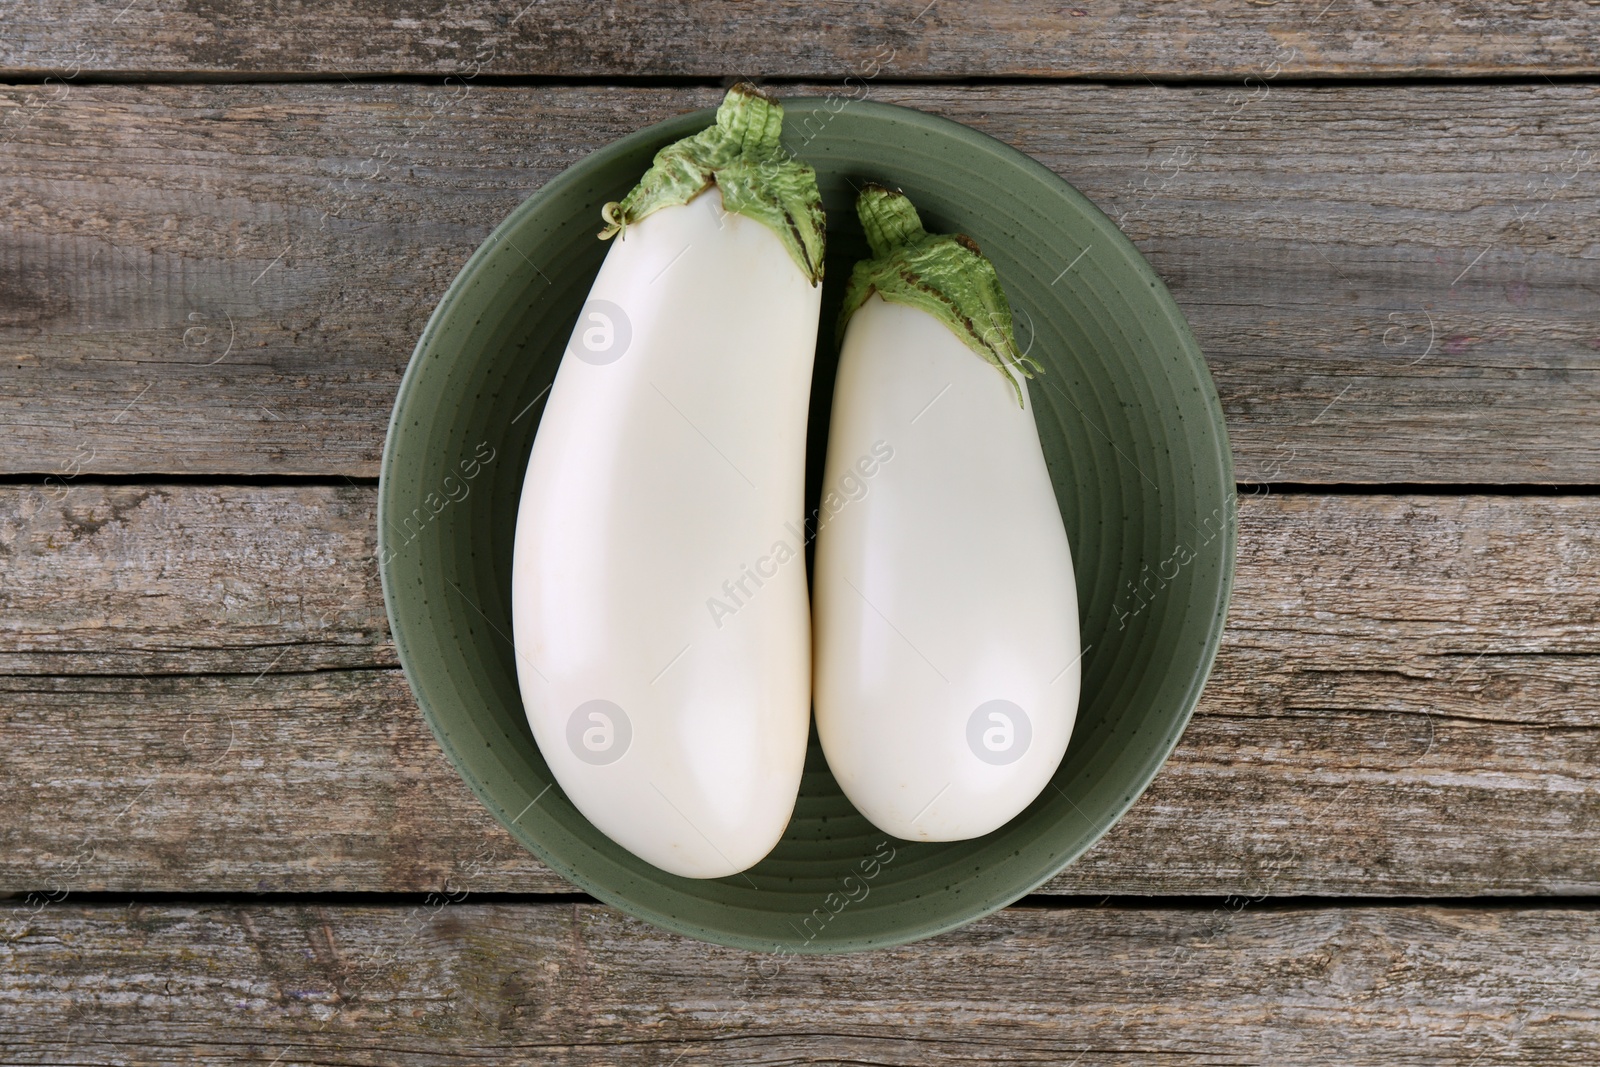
(229, 836)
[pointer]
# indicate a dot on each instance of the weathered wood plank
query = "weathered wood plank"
(1404, 704)
(470, 983)
(189, 579)
(1391, 284)
(830, 39)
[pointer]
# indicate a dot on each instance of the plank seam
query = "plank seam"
(28, 76)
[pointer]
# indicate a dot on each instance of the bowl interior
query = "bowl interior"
(1132, 431)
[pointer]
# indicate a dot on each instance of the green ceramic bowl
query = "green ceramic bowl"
(1132, 430)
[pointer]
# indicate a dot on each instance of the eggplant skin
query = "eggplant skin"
(945, 609)
(659, 476)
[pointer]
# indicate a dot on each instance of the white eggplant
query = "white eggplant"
(662, 637)
(945, 611)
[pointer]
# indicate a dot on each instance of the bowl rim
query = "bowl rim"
(973, 908)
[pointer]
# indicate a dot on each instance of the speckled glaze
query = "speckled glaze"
(1132, 432)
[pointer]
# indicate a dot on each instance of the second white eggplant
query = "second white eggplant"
(945, 611)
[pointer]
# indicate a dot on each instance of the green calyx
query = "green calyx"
(758, 178)
(943, 274)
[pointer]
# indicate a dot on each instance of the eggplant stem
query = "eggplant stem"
(946, 275)
(743, 156)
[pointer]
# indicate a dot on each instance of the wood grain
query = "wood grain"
(830, 38)
(1405, 704)
(1391, 284)
(165, 579)
(469, 983)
